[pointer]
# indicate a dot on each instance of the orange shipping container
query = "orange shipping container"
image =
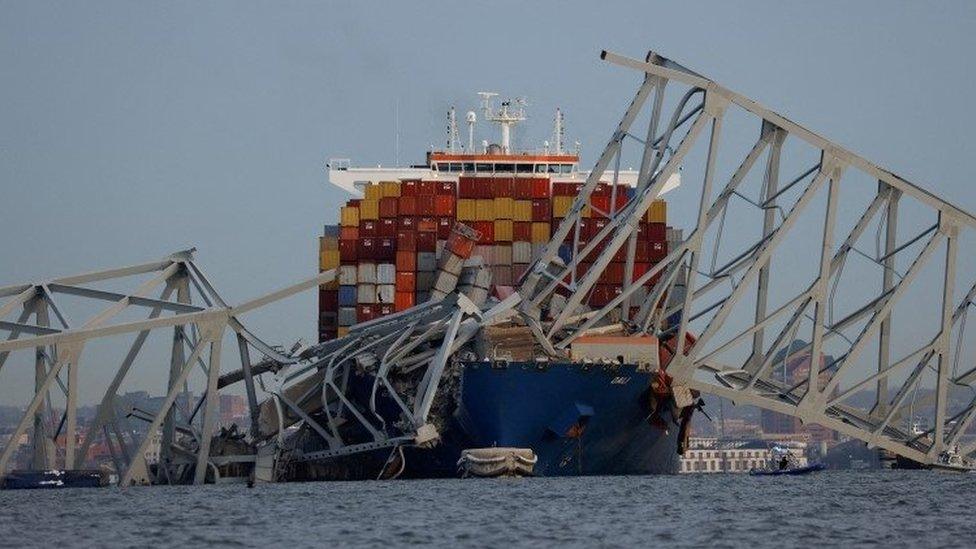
(406, 261)
(403, 301)
(444, 205)
(406, 281)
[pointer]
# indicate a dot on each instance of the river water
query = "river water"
(875, 508)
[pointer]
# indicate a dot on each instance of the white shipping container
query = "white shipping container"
(385, 293)
(484, 252)
(386, 273)
(451, 263)
(502, 255)
(441, 244)
(537, 249)
(445, 282)
(347, 316)
(522, 252)
(347, 275)
(366, 274)
(366, 294)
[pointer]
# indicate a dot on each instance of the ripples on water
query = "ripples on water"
(883, 508)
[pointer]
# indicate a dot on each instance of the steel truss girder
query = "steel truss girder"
(176, 272)
(821, 396)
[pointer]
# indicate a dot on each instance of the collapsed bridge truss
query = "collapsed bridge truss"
(747, 313)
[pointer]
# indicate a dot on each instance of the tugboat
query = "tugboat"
(783, 462)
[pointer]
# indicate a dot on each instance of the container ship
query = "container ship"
(605, 409)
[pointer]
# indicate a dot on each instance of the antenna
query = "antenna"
(452, 130)
(396, 132)
(506, 117)
(471, 118)
(557, 131)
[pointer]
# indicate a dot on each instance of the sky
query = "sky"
(129, 130)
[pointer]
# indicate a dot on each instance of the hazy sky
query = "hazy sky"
(129, 130)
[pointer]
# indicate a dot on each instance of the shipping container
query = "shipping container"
(425, 281)
(427, 225)
(444, 226)
(521, 252)
(388, 207)
(426, 261)
(349, 233)
(348, 251)
(349, 216)
(347, 296)
(406, 281)
(522, 231)
(373, 192)
(403, 301)
(385, 293)
(484, 252)
(571, 189)
(427, 188)
(387, 228)
(348, 275)
(658, 212)
(501, 275)
(503, 230)
(504, 208)
(385, 273)
(459, 244)
(369, 209)
(561, 205)
(467, 209)
(427, 242)
(407, 206)
(485, 209)
(409, 187)
(386, 249)
(391, 189)
(366, 293)
(540, 232)
(522, 210)
(347, 316)
(367, 228)
(502, 187)
(426, 206)
(366, 273)
(444, 206)
(365, 313)
(469, 187)
(406, 261)
(445, 282)
(501, 254)
(330, 242)
(446, 188)
(328, 300)
(328, 259)
(407, 223)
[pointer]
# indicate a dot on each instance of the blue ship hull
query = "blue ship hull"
(578, 419)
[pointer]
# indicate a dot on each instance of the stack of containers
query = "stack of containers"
(329, 292)
(457, 250)
(393, 246)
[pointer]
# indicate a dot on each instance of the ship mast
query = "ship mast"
(507, 117)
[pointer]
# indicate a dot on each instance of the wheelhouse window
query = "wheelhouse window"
(508, 168)
(540, 168)
(484, 168)
(523, 168)
(467, 167)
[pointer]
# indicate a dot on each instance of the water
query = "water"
(879, 508)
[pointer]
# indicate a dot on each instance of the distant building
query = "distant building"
(233, 409)
(709, 455)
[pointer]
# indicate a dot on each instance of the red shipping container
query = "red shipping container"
(348, 233)
(468, 187)
(328, 300)
(541, 210)
(444, 206)
(613, 274)
(522, 231)
(658, 251)
(461, 245)
(621, 198)
(601, 206)
(406, 261)
(410, 187)
(406, 205)
(348, 251)
(406, 281)
(406, 241)
(367, 228)
(540, 187)
(566, 188)
(408, 223)
(387, 227)
(386, 248)
(640, 269)
(603, 294)
(503, 187)
(388, 207)
(444, 225)
(365, 313)
(354, 203)
(385, 308)
(427, 225)
(425, 205)
(597, 225)
(403, 301)
(643, 252)
(522, 189)
(602, 189)
(656, 232)
(366, 248)
(427, 188)
(487, 230)
(446, 188)
(427, 242)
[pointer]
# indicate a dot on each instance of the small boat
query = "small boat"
(813, 467)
